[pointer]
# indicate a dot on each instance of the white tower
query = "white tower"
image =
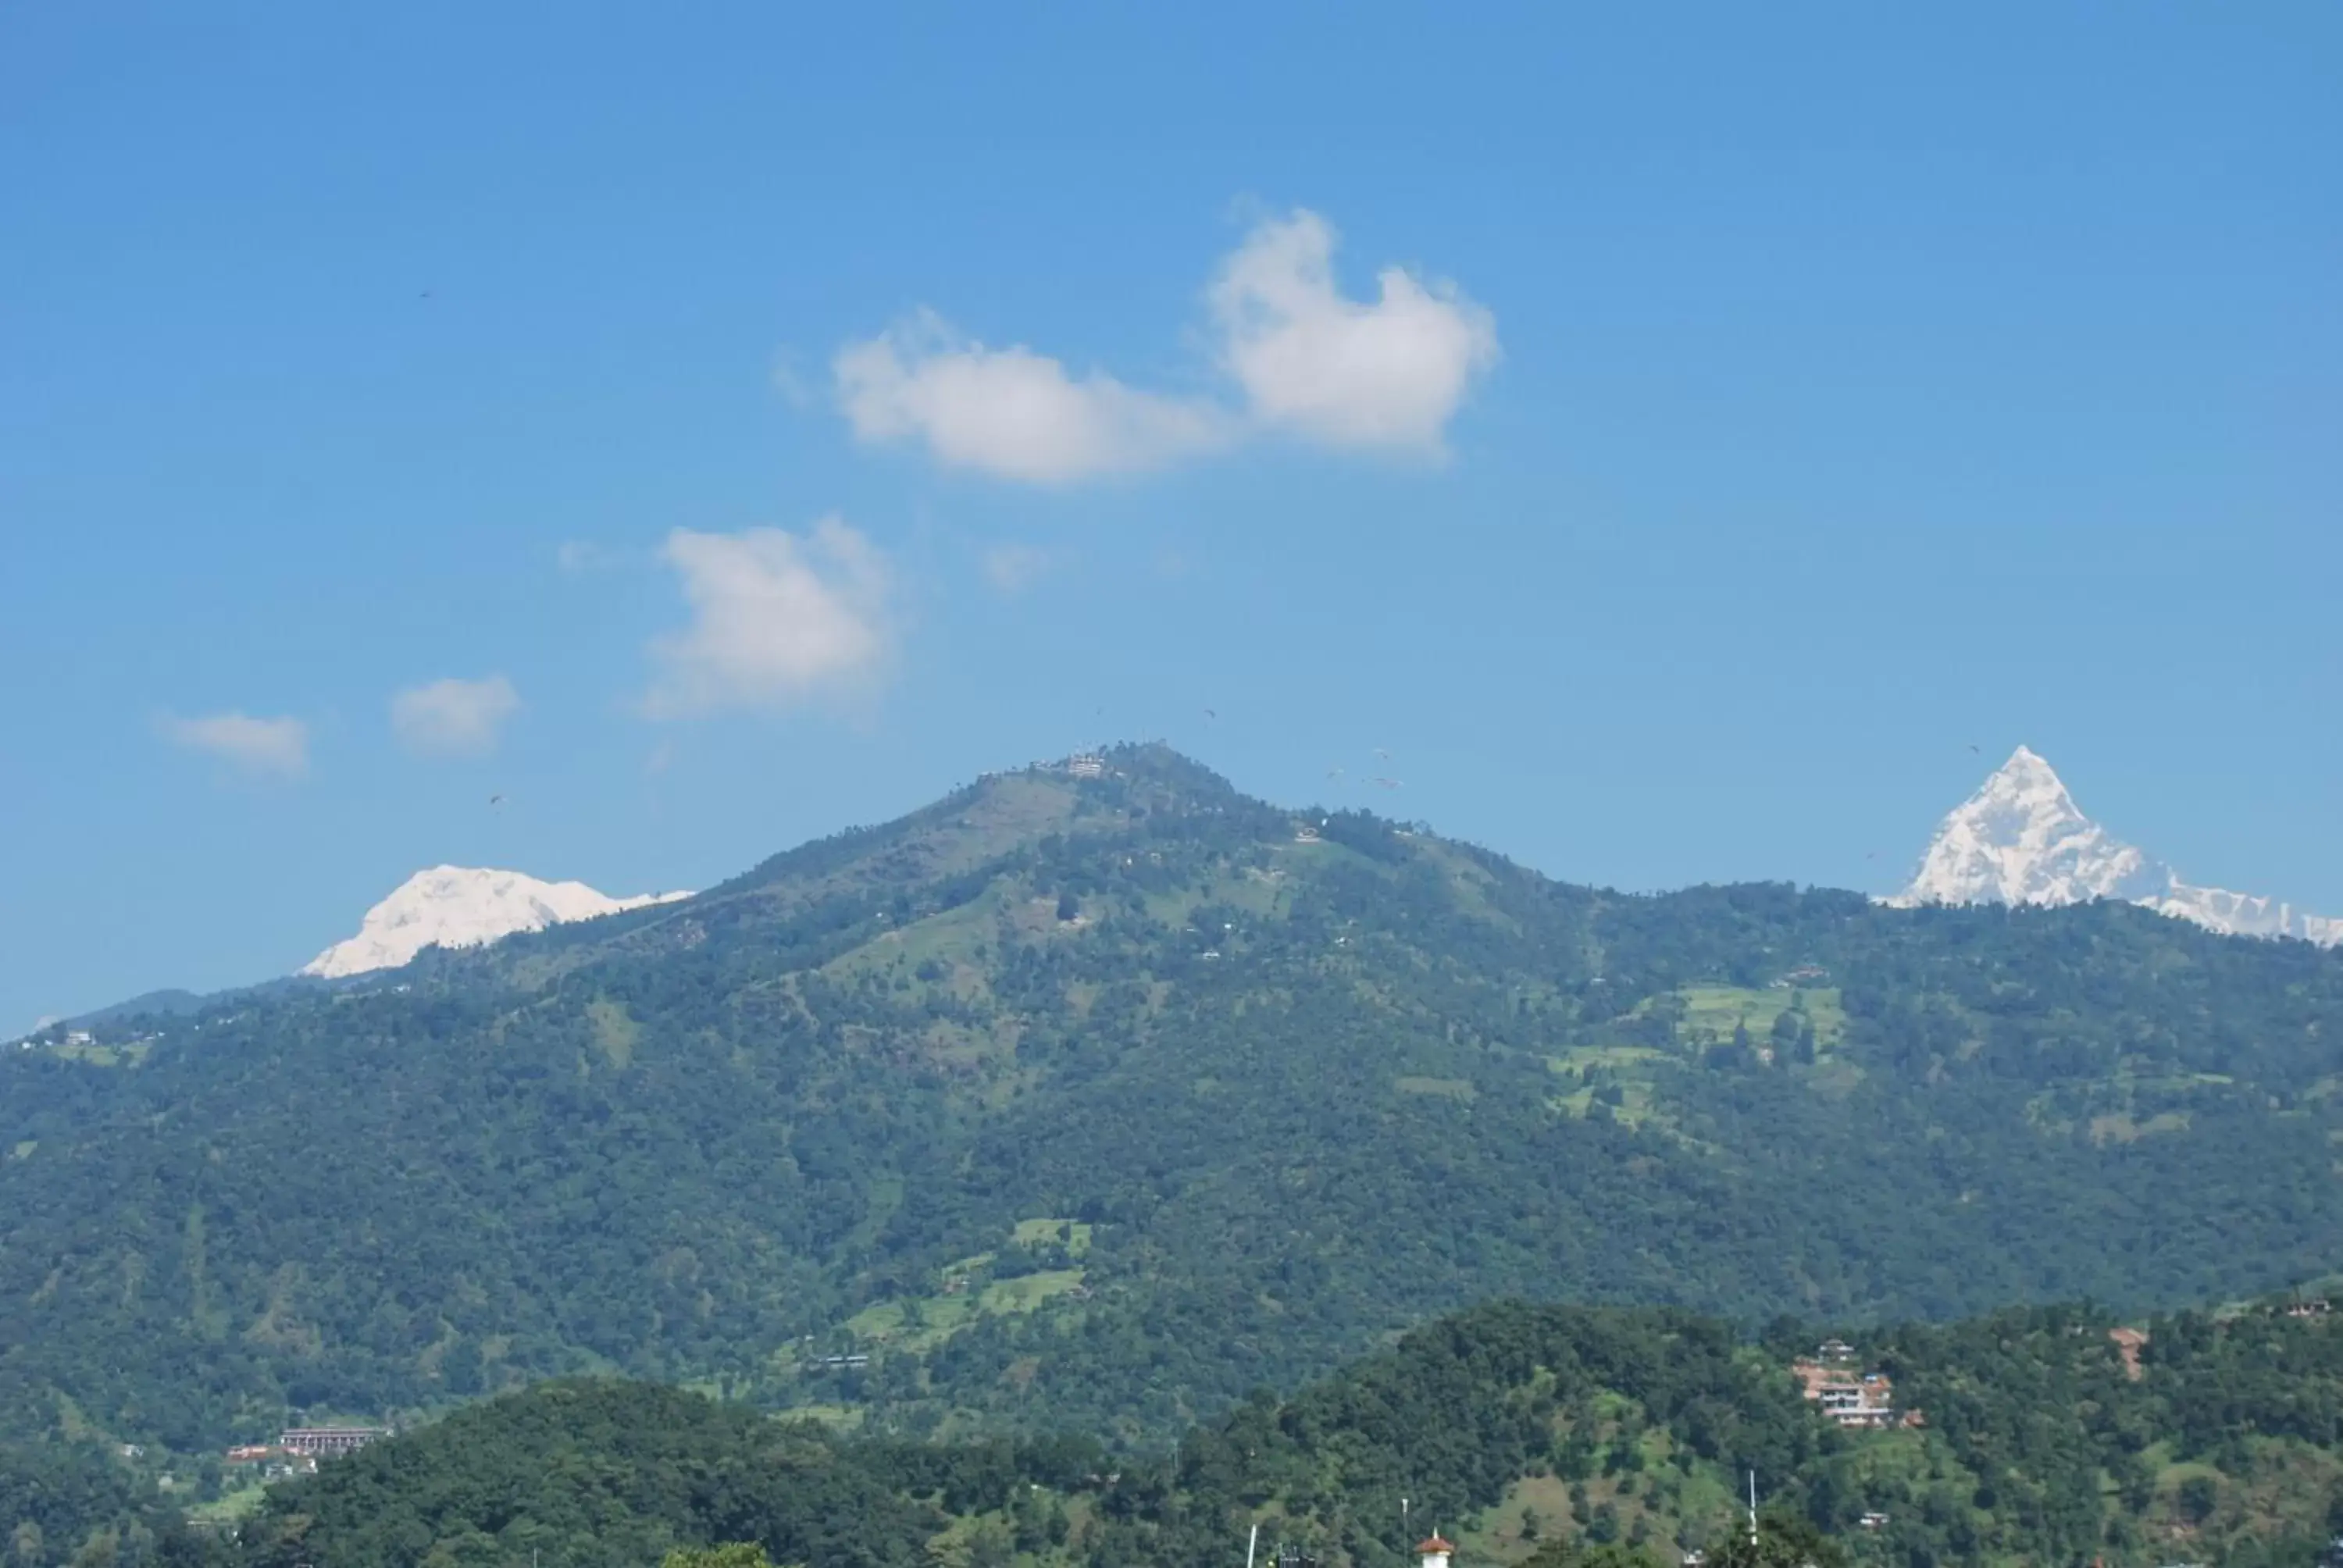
(1433, 1553)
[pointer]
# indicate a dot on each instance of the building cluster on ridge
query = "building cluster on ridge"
(298, 1448)
(1850, 1398)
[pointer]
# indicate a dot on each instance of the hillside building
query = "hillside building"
(327, 1442)
(1852, 1400)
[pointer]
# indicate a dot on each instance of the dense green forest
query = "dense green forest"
(1527, 1434)
(81, 1503)
(1094, 1104)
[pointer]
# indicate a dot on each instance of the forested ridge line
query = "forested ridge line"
(1096, 1102)
(2037, 1436)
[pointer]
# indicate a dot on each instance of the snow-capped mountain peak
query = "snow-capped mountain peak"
(463, 907)
(2021, 839)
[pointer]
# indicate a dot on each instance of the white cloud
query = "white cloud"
(1011, 412)
(1012, 568)
(453, 718)
(586, 556)
(1301, 358)
(1387, 375)
(265, 747)
(777, 618)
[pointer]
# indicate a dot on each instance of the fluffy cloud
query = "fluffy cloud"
(264, 747)
(1300, 357)
(1387, 375)
(1011, 412)
(777, 618)
(1012, 568)
(453, 718)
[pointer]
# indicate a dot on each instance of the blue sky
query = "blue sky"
(1675, 437)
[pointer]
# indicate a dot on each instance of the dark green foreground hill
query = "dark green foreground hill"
(1513, 1428)
(1092, 1103)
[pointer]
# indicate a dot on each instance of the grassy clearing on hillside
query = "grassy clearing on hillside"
(954, 939)
(918, 1323)
(1632, 1103)
(842, 1417)
(2124, 1129)
(1264, 897)
(1617, 1058)
(1072, 1234)
(1028, 1292)
(130, 1054)
(615, 1032)
(1649, 1502)
(921, 1323)
(229, 1506)
(1713, 1011)
(1442, 1088)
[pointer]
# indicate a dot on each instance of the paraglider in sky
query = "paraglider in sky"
(1389, 783)
(496, 800)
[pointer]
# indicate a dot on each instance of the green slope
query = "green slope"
(1516, 1430)
(873, 1128)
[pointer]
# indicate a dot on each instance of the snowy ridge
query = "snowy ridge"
(2021, 839)
(464, 907)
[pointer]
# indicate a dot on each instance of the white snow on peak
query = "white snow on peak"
(2021, 839)
(464, 907)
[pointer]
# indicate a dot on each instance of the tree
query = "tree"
(1586, 1555)
(731, 1554)
(1784, 1539)
(990, 1545)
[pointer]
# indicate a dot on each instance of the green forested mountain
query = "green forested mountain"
(78, 1502)
(1095, 1103)
(1516, 1430)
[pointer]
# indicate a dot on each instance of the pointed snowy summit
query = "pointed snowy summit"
(464, 907)
(2021, 839)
